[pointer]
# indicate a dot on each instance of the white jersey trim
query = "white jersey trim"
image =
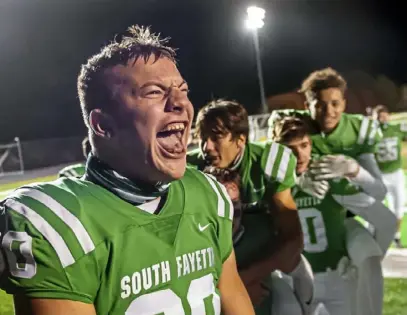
(271, 159)
(64, 214)
(221, 202)
(363, 130)
(285, 160)
(53, 237)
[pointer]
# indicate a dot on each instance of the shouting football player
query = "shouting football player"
(267, 174)
(141, 234)
(389, 158)
(322, 208)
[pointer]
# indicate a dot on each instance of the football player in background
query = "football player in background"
(337, 133)
(323, 219)
(389, 158)
(267, 173)
(278, 298)
(142, 234)
(77, 170)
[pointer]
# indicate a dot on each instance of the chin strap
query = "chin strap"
(132, 191)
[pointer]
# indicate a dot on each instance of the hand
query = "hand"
(334, 166)
(346, 269)
(313, 187)
(257, 292)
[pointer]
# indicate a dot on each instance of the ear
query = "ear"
(241, 141)
(102, 124)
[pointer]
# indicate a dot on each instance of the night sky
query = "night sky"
(43, 44)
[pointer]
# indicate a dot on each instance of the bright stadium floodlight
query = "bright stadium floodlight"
(254, 21)
(255, 17)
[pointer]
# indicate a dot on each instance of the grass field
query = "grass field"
(395, 300)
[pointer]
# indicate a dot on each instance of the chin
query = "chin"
(171, 170)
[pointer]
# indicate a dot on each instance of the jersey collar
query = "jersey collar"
(134, 192)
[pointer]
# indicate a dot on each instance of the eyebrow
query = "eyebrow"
(160, 84)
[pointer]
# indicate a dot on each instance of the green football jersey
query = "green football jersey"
(265, 168)
(354, 135)
(388, 150)
(76, 170)
(72, 239)
(323, 225)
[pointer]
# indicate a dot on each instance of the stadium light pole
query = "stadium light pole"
(254, 21)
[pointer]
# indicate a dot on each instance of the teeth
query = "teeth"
(174, 127)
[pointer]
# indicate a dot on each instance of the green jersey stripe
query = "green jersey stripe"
(271, 159)
(363, 130)
(282, 169)
(53, 237)
(221, 202)
(228, 200)
(74, 172)
(64, 214)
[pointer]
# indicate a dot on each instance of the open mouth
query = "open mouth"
(171, 138)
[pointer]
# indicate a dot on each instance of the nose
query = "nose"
(208, 145)
(177, 101)
(330, 109)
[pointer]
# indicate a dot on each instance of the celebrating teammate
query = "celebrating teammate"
(348, 141)
(267, 174)
(323, 223)
(337, 133)
(142, 234)
(77, 170)
(276, 294)
(389, 159)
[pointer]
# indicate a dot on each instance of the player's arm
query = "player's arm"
(285, 249)
(234, 297)
(363, 170)
(368, 139)
(371, 210)
(286, 244)
(43, 269)
(25, 306)
(369, 177)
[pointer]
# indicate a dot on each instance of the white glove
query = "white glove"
(346, 269)
(313, 187)
(334, 166)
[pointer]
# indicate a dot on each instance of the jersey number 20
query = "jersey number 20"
(166, 302)
(313, 228)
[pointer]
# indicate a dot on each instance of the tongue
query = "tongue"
(171, 141)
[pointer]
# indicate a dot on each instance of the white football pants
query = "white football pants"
(395, 184)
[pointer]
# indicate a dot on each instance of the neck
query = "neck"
(135, 191)
(237, 160)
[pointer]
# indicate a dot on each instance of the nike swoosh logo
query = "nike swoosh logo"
(202, 228)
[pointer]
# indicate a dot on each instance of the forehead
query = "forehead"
(161, 70)
(331, 93)
(298, 141)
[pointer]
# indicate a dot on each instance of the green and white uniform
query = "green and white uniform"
(323, 225)
(76, 170)
(265, 169)
(72, 239)
(355, 134)
(389, 159)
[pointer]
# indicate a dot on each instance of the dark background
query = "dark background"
(43, 43)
